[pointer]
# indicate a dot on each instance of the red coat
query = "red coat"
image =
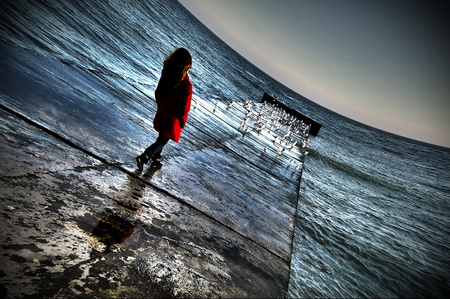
(173, 106)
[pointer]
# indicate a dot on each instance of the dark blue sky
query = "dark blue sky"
(384, 63)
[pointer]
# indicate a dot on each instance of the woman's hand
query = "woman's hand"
(182, 122)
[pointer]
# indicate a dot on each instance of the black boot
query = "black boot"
(156, 162)
(141, 161)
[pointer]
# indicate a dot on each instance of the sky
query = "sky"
(383, 63)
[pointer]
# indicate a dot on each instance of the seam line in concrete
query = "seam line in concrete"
(123, 169)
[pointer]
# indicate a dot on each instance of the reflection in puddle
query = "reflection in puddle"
(131, 205)
(132, 200)
(112, 230)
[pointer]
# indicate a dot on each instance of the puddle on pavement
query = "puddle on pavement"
(113, 230)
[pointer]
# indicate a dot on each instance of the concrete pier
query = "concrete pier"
(78, 219)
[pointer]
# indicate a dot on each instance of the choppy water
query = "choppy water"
(374, 208)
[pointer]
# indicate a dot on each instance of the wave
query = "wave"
(353, 171)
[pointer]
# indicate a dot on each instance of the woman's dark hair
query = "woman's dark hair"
(175, 67)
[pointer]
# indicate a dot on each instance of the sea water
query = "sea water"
(373, 212)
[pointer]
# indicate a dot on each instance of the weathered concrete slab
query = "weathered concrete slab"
(216, 220)
(74, 226)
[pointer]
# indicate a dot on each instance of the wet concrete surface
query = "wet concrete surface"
(73, 226)
(217, 220)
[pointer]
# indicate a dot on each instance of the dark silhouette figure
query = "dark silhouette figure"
(173, 96)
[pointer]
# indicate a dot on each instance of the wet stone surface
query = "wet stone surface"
(78, 220)
(75, 227)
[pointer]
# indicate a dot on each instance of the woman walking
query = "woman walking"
(173, 96)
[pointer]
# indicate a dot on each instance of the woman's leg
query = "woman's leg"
(153, 151)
